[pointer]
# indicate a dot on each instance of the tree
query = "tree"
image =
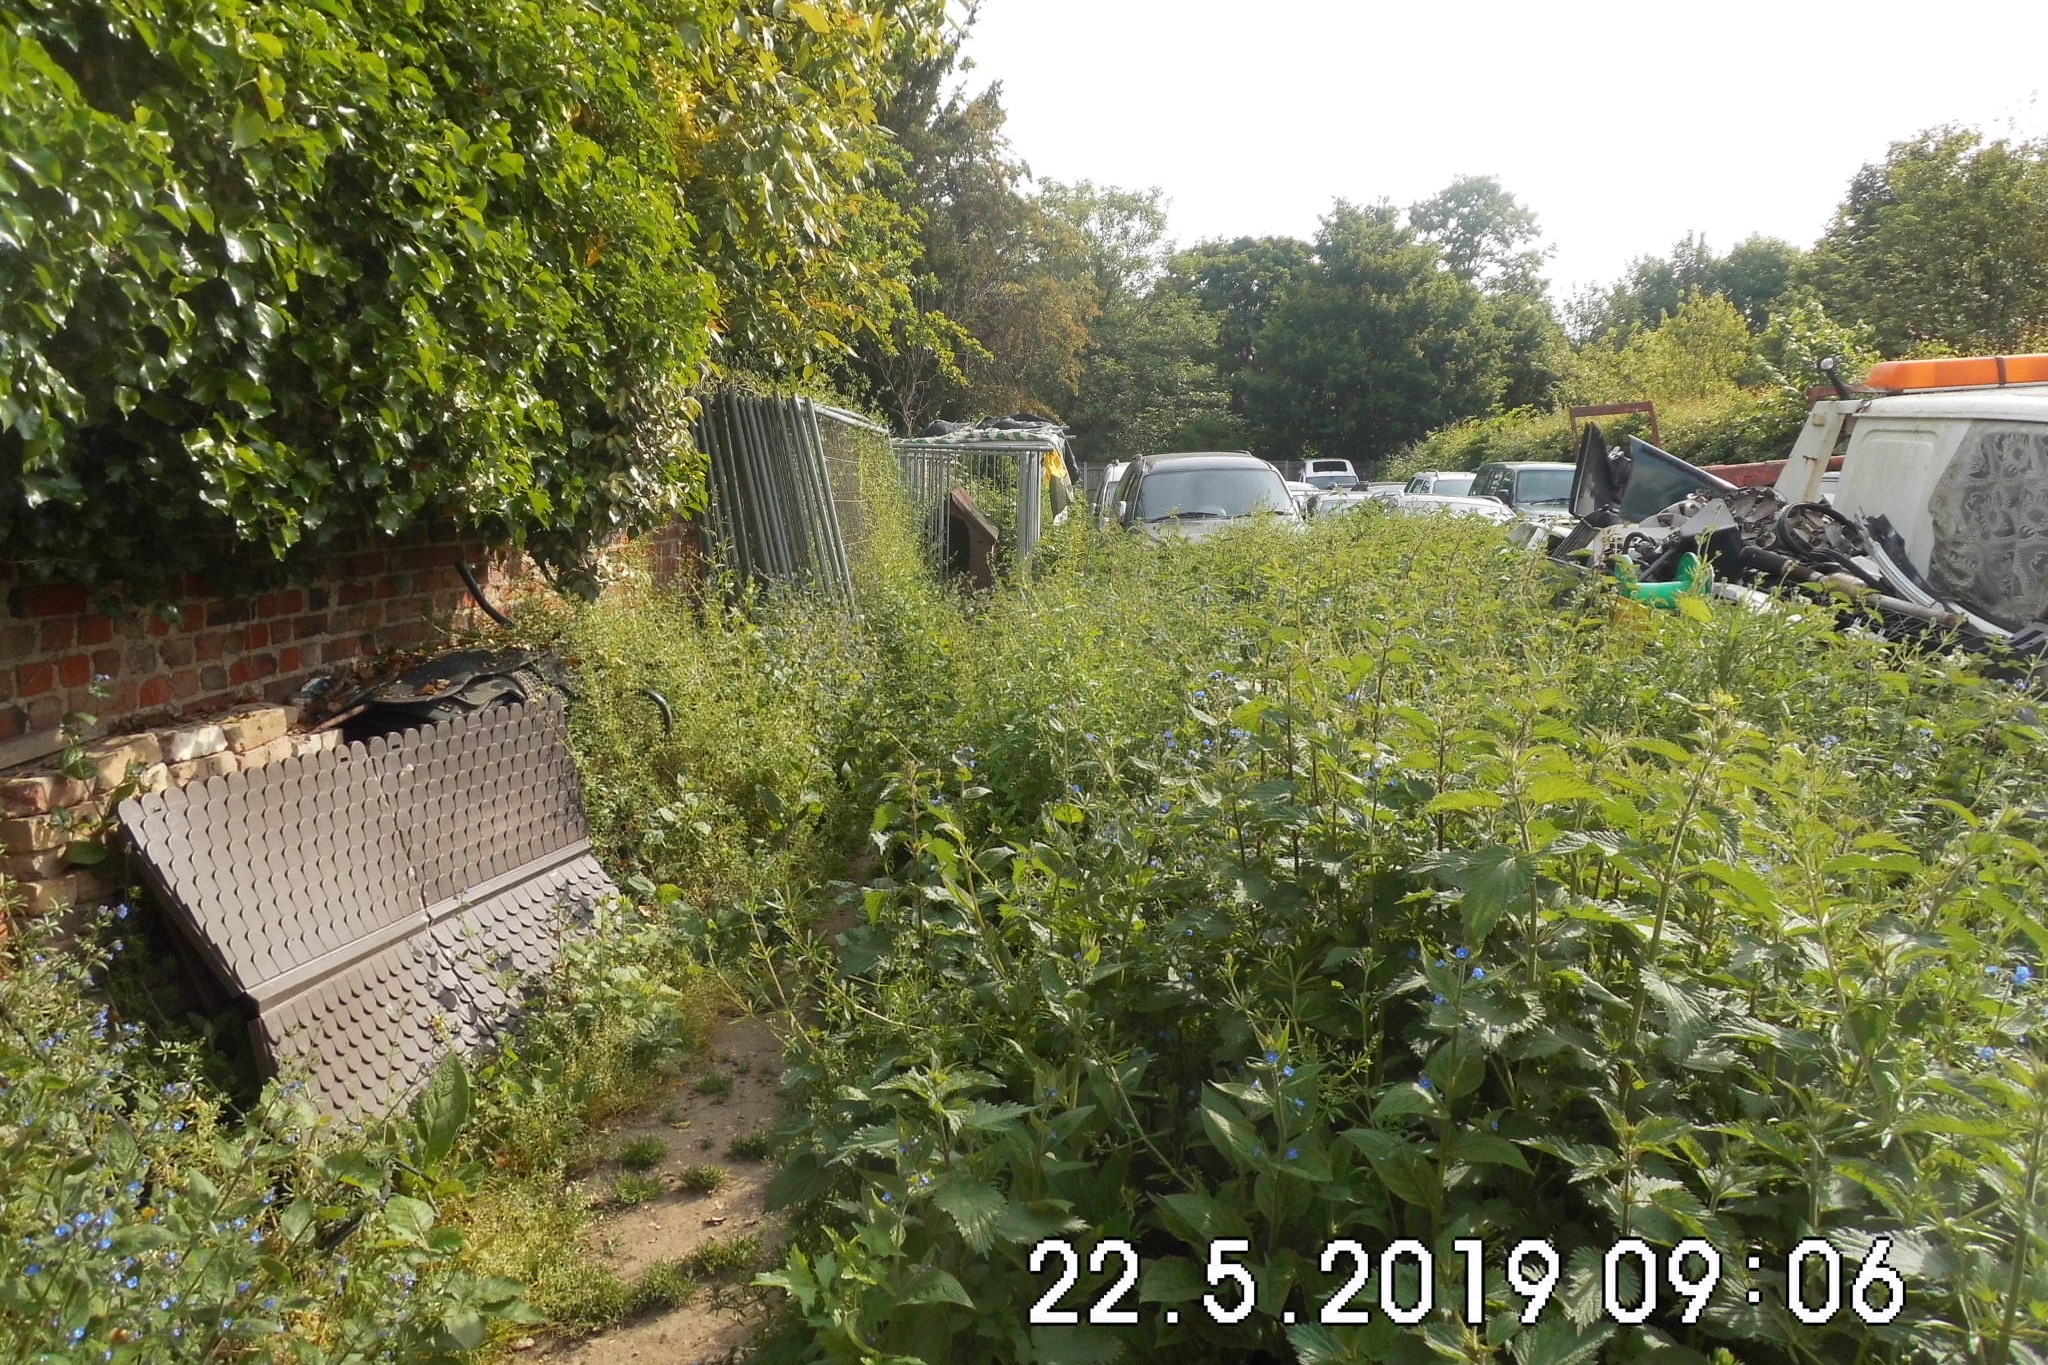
(1945, 243)
(281, 269)
(1121, 233)
(1150, 381)
(1000, 309)
(1373, 344)
(1701, 350)
(1484, 234)
(1755, 274)
(782, 151)
(1239, 283)
(1751, 277)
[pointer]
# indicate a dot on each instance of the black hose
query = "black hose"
(476, 594)
(668, 715)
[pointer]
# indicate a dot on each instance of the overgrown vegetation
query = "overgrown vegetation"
(386, 264)
(1368, 883)
(1379, 885)
(142, 1219)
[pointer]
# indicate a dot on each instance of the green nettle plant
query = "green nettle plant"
(1244, 900)
(141, 1222)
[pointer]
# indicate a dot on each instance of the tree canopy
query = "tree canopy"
(1372, 346)
(1943, 245)
(282, 268)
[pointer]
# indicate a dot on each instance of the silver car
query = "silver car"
(1193, 494)
(1447, 483)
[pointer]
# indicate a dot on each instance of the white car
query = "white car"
(1445, 504)
(1328, 474)
(1454, 483)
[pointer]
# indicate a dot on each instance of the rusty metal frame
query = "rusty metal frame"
(379, 905)
(1616, 410)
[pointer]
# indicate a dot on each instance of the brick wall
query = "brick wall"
(220, 643)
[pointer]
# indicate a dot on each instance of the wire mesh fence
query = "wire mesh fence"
(787, 505)
(1004, 474)
(780, 489)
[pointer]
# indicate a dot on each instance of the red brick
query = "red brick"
(366, 565)
(53, 599)
(262, 665)
(6, 685)
(157, 626)
(239, 672)
(13, 722)
(32, 680)
(107, 661)
(177, 653)
(288, 660)
(286, 603)
(403, 633)
(155, 692)
(389, 586)
(334, 651)
(57, 635)
(306, 627)
(17, 640)
(95, 630)
(348, 594)
(255, 637)
(207, 647)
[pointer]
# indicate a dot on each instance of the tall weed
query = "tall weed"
(1378, 883)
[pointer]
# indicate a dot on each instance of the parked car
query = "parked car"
(1453, 483)
(1105, 497)
(1330, 474)
(1194, 493)
(1339, 500)
(1385, 491)
(1425, 504)
(1526, 485)
(1302, 493)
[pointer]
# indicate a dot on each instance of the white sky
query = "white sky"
(1623, 126)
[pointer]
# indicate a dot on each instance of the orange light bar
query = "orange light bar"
(1958, 372)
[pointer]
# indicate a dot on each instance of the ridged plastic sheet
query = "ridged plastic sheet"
(380, 904)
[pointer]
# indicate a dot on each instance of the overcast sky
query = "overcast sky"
(1621, 127)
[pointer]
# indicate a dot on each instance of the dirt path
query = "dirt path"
(696, 1129)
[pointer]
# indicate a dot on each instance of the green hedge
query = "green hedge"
(275, 268)
(1741, 427)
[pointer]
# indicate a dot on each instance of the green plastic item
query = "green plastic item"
(1693, 577)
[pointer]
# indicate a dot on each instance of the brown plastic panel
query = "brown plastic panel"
(380, 904)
